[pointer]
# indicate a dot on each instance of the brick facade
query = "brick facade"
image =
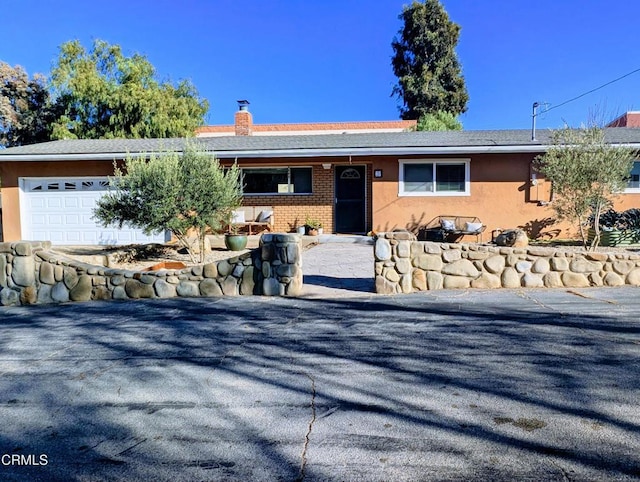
(291, 210)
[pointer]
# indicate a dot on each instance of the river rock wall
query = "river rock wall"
(404, 265)
(31, 273)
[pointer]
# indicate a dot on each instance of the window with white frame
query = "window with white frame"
(277, 180)
(421, 177)
(633, 184)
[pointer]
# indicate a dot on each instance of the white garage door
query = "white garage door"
(61, 210)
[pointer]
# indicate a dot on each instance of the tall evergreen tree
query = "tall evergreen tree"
(425, 62)
(439, 121)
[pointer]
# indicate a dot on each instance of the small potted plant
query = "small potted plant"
(313, 226)
(233, 239)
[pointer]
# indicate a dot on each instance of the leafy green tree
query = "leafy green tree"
(25, 107)
(186, 193)
(439, 121)
(104, 94)
(425, 62)
(586, 174)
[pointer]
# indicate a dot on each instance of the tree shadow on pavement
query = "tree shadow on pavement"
(446, 387)
(364, 285)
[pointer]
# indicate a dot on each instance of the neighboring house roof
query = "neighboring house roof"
(244, 126)
(394, 143)
(317, 128)
(628, 119)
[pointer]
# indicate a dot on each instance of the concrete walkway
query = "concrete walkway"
(338, 266)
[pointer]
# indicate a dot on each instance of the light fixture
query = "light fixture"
(377, 173)
(326, 165)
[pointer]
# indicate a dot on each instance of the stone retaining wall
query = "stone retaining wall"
(404, 265)
(30, 273)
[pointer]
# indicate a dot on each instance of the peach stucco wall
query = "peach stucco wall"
(502, 196)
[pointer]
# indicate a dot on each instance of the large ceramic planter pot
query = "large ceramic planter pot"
(615, 237)
(235, 242)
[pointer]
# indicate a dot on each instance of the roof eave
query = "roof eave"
(311, 152)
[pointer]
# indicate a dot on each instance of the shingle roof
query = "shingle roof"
(236, 145)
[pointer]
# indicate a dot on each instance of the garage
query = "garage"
(60, 210)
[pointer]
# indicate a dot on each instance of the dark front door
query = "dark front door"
(350, 213)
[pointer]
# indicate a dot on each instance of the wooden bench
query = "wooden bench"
(452, 228)
(253, 218)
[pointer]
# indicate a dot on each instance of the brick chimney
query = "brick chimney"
(243, 119)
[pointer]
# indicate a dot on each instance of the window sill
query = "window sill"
(433, 194)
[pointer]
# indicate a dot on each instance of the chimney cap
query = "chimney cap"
(243, 104)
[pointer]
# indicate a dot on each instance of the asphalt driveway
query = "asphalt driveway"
(468, 385)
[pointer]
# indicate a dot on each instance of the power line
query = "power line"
(591, 91)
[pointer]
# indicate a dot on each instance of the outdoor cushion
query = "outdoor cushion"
(473, 227)
(264, 216)
(237, 217)
(448, 224)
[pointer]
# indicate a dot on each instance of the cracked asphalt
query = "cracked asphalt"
(448, 385)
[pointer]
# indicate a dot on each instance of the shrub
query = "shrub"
(586, 173)
(186, 193)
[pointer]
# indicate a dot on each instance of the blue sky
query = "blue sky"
(329, 60)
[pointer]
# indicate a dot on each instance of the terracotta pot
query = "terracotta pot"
(312, 231)
(166, 265)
